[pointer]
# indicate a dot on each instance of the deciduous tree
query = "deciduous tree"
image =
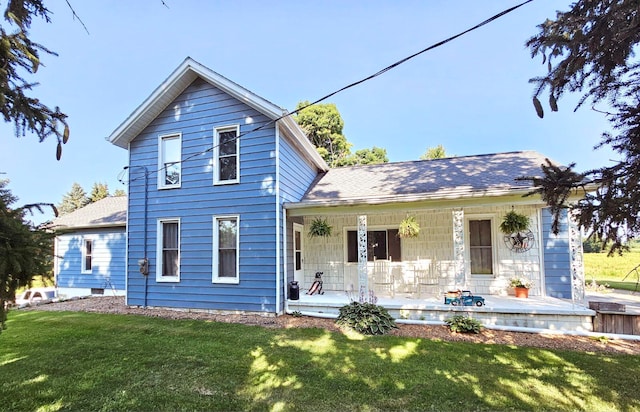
(590, 50)
(431, 153)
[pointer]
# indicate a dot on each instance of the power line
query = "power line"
(356, 83)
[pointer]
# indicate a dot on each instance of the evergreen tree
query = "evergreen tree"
(19, 54)
(73, 200)
(590, 49)
(431, 153)
(25, 251)
(98, 191)
(119, 192)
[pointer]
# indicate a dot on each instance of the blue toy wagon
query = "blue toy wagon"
(462, 298)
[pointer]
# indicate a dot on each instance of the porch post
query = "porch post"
(363, 278)
(577, 264)
(458, 246)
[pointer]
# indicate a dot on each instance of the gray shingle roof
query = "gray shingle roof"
(107, 212)
(491, 174)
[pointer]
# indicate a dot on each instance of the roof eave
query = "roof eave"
(66, 228)
(378, 200)
(303, 142)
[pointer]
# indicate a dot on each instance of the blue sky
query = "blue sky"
(471, 95)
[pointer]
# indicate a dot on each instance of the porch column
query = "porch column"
(577, 264)
(363, 277)
(458, 246)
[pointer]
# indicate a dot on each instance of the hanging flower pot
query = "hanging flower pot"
(514, 222)
(409, 227)
(320, 228)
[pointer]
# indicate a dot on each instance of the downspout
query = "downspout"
(278, 206)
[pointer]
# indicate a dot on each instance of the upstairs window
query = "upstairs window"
(480, 247)
(168, 253)
(87, 255)
(169, 158)
(225, 249)
(381, 244)
(225, 155)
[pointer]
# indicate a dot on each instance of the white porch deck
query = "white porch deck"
(501, 311)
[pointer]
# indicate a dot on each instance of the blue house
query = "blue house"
(223, 188)
(89, 249)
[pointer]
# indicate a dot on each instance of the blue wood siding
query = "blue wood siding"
(108, 259)
(194, 114)
(557, 257)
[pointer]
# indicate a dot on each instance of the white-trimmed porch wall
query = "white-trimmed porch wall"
(435, 242)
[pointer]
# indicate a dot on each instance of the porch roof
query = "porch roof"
(449, 178)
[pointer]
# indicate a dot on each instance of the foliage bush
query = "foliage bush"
(463, 324)
(366, 318)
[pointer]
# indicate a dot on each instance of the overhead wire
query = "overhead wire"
(356, 83)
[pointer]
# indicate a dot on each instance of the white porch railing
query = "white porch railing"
(418, 277)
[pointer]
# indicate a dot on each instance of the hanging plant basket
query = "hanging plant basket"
(515, 227)
(409, 227)
(514, 222)
(320, 228)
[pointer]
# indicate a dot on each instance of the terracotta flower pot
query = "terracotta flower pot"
(522, 292)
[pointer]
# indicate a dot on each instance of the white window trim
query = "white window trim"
(159, 277)
(83, 268)
(494, 244)
(216, 154)
(214, 267)
(161, 182)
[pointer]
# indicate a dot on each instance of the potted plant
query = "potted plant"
(521, 286)
(320, 227)
(514, 222)
(409, 227)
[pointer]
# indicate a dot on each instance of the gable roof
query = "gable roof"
(107, 212)
(178, 81)
(449, 178)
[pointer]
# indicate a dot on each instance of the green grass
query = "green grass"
(611, 270)
(53, 361)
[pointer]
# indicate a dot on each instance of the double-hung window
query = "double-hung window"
(87, 255)
(226, 152)
(170, 161)
(225, 249)
(168, 253)
(381, 244)
(480, 247)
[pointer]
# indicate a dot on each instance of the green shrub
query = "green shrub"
(366, 318)
(463, 324)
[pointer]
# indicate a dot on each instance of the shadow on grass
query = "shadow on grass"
(79, 361)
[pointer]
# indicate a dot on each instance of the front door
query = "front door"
(297, 253)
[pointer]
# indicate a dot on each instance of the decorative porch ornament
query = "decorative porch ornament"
(320, 228)
(409, 227)
(515, 227)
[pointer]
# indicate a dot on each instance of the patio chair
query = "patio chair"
(426, 278)
(382, 277)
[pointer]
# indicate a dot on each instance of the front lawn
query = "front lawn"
(77, 361)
